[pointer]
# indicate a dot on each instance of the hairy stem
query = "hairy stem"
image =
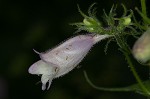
(135, 74)
(126, 51)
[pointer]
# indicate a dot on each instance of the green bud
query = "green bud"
(90, 22)
(141, 48)
(127, 20)
(86, 22)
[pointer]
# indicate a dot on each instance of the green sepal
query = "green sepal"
(90, 23)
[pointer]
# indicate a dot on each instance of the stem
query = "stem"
(135, 74)
(125, 89)
(143, 5)
(126, 51)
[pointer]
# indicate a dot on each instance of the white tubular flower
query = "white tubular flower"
(63, 58)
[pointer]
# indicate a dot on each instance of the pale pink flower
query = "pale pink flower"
(63, 58)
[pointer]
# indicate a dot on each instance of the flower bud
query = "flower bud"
(65, 57)
(126, 20)
(86, 22)
(90, 22)
(141, 48)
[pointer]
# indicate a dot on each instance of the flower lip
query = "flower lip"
(41, 67)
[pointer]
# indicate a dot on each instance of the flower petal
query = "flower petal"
(47, 70)
(141, 48)
(41, 67)
(70, 53)
(45, 79)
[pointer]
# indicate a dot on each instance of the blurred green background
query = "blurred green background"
(28, 24)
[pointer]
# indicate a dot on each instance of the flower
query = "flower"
(141, 48)
(63, 58)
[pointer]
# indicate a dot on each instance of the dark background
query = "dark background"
(28, 24)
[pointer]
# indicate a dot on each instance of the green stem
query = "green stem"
(143, 5)
(126, 51)
(135, 74)
(125, 89)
